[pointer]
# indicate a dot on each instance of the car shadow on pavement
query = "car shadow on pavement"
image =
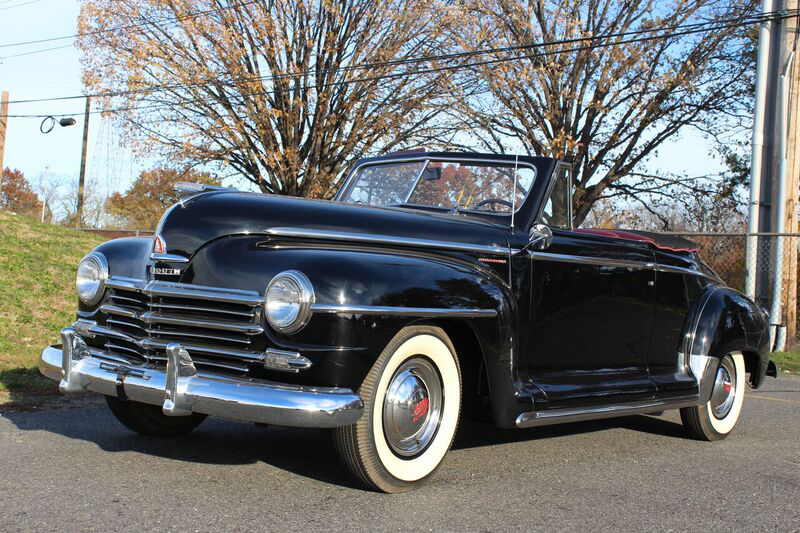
(477, 434)
(304, 452)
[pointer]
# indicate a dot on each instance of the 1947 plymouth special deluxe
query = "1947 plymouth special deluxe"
(434, 286)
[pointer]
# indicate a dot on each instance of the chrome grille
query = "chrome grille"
(216, 325)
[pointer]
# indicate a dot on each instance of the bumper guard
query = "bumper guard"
(182, 390)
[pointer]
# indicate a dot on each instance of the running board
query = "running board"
(560, 416)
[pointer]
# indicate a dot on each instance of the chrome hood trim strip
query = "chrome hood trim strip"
(390, 240)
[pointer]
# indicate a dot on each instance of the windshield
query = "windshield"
(467, 185)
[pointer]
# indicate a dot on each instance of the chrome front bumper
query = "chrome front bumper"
(181, 390)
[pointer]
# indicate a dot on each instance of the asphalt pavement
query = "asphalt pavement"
(75, 468)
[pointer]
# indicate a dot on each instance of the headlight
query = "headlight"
(287, 301)
(91, 278)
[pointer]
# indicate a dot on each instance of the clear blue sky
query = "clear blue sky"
(57, 73)
(48, 74)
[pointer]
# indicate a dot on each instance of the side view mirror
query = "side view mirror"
(541, 237)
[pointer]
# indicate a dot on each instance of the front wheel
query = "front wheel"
(715, 419)
(150, 420)
(412, 402)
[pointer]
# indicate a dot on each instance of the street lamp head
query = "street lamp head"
(49, 123)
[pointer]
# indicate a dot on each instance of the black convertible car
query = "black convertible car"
(434, 286)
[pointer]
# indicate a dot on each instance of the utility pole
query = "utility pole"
(3, 126)
(754, 215)
(792, 155)
(81, 179)
(774, 167)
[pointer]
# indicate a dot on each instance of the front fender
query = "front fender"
(727, 321)
(344, 345)
(126, 257)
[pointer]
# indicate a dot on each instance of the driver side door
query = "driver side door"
(591, 312)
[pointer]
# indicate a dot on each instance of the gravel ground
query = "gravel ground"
(76, 468)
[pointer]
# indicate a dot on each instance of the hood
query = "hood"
(187, 226)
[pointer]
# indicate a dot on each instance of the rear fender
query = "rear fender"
(726, 321)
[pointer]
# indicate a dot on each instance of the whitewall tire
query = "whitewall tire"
(412, 403)
(716, 419)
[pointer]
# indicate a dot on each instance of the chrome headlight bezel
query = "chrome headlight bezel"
(305, 299)
(99, 261)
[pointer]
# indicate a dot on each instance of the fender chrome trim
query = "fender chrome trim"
(403, 311)
(704, 370)
(393, 240)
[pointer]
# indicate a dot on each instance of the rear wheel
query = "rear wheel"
(412, 401)
(150, 420)
(715, 419)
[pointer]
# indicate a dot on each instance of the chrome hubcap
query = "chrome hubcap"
(724, 392)
(412, 410)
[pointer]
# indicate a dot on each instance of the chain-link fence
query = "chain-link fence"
(726, 254)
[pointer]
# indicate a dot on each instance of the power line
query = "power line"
(396, 75)
(693, 30)
(37, 51)
(307, 72)
(20, 5)
(171, 20)
(702, 26)
(745, 20)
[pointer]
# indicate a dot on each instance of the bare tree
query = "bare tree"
(606, 104)
(271, 88)
(48, 186)
(94, 200)
(711, 203)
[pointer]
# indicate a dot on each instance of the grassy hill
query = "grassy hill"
(37, 295)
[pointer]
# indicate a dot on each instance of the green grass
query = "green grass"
(37, 295)
(787, 361)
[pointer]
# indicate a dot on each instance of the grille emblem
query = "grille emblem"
(165, 271)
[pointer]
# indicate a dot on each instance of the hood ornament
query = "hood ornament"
(188, 188)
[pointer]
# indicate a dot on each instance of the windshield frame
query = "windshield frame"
(349, 182)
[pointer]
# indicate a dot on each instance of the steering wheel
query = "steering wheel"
(494, 201)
